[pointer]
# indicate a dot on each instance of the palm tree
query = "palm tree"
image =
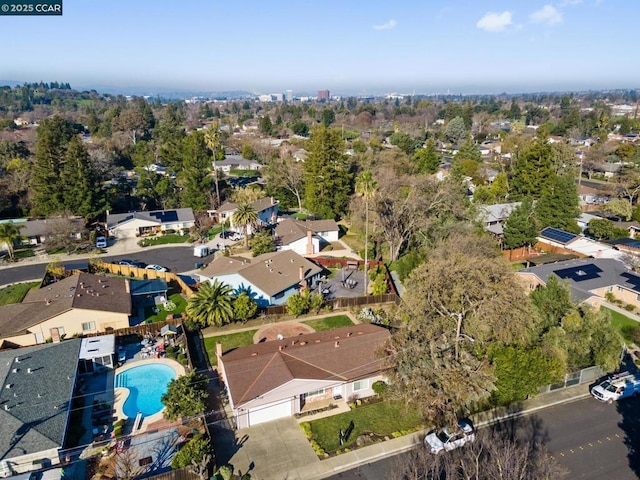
(244, 216)
(366, 188)
(212, 139)
(211, 305)
(9, 233)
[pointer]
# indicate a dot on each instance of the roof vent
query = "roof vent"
(6, 408)
(17, 359)
(303, 343)
(581, 273)
(336, 345)
(15, 370)
(9, 385)
(29, 370)
(349, 334)
(254, 354)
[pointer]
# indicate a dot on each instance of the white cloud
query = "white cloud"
(386, 26)
(547, 15)
(569, 3)
(495, 22)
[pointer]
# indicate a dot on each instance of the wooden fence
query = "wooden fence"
(143, 273)
(180, 474)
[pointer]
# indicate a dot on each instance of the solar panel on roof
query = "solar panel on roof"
(557, 235)
(579, 273)
(165, 216)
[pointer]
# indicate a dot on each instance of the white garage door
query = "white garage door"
(266, 413)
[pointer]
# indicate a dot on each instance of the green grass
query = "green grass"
(215, 231)
(239, 172)
(23, 253)
(517, 266)
(181, 305)
(382, 418)
(230, 341)
(164, 239)
(622, 323)
(328, 323)
(16, 293)
(300, 216)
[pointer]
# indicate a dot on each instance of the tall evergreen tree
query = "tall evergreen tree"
(195, 176)
(46, 182)
(81, 188)
(170, 135)
(519, 228)
(427, 159)
(533, 174)
(559, 205)
(326, 173)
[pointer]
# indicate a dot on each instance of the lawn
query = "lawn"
(382, 418)
(164, 239)
(328, 323)
(622, 323)
(27, 252)
(181, 305)
(239, 172)
(232, 340)
(16, 293)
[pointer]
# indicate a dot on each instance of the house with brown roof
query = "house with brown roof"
(280, 378)
(266, 208)
(79, 304)
(270, 279)
(305, 238)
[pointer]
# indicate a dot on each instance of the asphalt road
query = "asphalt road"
(178, 259)
(591, 439)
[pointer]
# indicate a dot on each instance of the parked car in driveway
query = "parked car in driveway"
(446, 440)
(157, 268)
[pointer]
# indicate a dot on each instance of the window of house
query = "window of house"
(315, 393)
(88, 326)
(609, 289)
(619, 289)
(360, 385)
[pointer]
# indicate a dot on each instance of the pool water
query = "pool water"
(146, 384)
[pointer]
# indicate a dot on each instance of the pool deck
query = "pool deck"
(121, 393)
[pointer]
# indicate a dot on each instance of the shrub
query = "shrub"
(306, 428)
(628, 307)
(379, 387)
(317, 448)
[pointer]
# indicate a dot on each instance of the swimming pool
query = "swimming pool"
(146, 384)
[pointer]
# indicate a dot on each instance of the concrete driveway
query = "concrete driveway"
(266, 451)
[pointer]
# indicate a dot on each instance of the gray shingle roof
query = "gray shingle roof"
(586, 274)
(178, 215)
(39, 402)
(271, 272)
(82, 290)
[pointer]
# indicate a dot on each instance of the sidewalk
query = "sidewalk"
(395, 446)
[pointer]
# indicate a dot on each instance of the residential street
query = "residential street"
(177, 258)
(587, 437)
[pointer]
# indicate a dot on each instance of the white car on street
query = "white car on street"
(446, 440)
(157, 268)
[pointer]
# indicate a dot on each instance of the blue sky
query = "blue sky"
(348, 46)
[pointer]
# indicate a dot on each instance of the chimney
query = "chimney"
(310, 242)
(336, 345)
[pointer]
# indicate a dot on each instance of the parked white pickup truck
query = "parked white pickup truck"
(618, 386)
